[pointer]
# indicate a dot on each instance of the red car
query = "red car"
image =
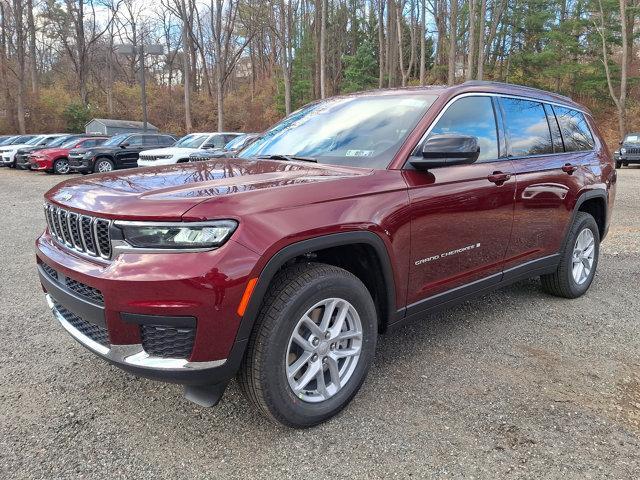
(351, 216)
(55, 160)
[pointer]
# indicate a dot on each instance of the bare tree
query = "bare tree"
(471, 50)
(453, 22)
(323, 49)
(483, 14)
(620, 100)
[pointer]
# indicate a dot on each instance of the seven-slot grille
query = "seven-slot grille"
(83, 233)
(635, 151)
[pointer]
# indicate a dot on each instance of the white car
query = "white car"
(184, 147)
(8, 152)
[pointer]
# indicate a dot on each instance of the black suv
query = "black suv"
(118, 152)
(629, 150)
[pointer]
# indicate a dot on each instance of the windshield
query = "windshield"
(117, 140)
(635, 138)
(7, 141)
(58, 141)
(191, 141)
(364, 131)
(237, 142)
(35, 140)
(69, 143)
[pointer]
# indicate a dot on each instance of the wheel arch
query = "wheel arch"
(593, 202)
(322, 244)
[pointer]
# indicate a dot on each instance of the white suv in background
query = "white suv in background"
(181, 150)
(8, 152)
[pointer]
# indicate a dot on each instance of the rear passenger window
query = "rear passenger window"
(527, 127)
(150, 140)
(575, 131)
(471, 116)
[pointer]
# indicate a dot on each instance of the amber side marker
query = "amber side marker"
(246, 296)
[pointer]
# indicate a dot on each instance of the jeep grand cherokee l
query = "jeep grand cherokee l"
(352, 215)
(120, 151)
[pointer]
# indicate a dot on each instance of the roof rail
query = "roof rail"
(523, 87)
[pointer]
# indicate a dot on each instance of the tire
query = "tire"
(102, 165)
(61, 166)
(563, 282)
(618, 165)
(626, 164)
(263, 373)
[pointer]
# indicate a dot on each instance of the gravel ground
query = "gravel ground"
(516, 384)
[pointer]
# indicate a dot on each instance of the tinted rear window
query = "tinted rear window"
(575, 131)
(527, 127)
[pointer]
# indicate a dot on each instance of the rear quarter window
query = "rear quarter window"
(575, 130)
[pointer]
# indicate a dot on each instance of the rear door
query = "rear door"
(548, 181)
(461, 216)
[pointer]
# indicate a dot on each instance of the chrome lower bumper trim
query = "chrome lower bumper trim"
(130, 354)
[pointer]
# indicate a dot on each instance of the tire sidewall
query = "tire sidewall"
(274, 381)
(584, 221)
(96, 167)
(57, 164)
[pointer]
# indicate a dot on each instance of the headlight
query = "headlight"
(163, 157)
(181, 235)
(623, 151)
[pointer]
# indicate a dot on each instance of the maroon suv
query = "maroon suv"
(350, 216)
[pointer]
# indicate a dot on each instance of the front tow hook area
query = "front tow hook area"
(205, 395)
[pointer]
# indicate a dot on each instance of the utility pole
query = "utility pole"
(141, 50)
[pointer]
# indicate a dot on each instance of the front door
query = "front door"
(128, 156)
(461, 216)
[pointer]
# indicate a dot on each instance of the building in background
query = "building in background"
(108, 126)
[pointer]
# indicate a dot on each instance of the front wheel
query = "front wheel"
(618, 164)
(312, 345)
(61, 166)
(578, 261)
(103, 165)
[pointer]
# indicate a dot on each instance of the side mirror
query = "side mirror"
(447, 149)
(124, 144)
(620, 142)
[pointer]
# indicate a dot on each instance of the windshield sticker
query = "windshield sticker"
(359, 153)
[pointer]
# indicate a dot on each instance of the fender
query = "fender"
(588, 195)
(317, 243)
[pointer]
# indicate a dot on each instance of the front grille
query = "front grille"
(634, 151)
(167, 342)
(49, 271)
(81, 232)
(94, 332)
(81, 289)
(86, 291)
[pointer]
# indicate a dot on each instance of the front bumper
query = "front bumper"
(7, 159)
(156, 287)
(629, 158)
(80, 164)
(154, 163)
(39, 163)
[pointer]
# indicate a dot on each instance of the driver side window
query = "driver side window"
(471, 116)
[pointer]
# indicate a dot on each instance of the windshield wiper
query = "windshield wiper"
(287, 157)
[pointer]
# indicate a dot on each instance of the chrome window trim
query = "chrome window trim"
(499, 95)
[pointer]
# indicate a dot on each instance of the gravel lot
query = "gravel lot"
(516, 384)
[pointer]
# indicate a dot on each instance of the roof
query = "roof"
(110, 122)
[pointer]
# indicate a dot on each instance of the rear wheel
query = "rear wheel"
(103, 165)
(578, 261)
(312, 345)
(61, 166)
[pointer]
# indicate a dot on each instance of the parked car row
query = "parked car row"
(84, 153)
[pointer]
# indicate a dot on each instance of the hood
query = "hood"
(51, 151)
(168, 192)
(11, 148)
(169, 151)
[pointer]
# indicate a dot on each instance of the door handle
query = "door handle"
(499, 177)
(568, 168)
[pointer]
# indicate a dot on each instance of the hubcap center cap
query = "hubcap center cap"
(323, 348)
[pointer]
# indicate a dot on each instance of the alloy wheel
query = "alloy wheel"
(583, 255)
(323, 350)
(62, 166)
(104, 166)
